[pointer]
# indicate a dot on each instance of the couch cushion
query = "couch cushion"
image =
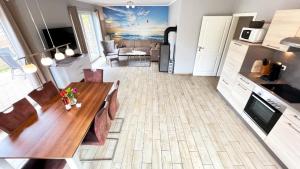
(109, 46)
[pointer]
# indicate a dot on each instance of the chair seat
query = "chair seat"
(44, 164)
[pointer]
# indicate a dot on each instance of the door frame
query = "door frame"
(217, 62)
(232, 29)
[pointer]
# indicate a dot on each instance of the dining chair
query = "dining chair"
(44, 94)
(45, 164)
(98, 132)
(16, 115)
(8, 57)
(112, 99)
(93, 75)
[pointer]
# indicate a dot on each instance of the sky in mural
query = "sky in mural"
(141, 22)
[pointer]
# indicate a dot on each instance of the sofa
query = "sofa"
(152, 47)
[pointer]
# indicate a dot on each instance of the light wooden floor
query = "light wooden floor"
(174, 121)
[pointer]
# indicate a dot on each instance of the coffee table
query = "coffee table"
(133, 53)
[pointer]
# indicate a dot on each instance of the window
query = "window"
(92, 33)
(13, 88)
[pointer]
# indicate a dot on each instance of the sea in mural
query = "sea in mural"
(139, 23)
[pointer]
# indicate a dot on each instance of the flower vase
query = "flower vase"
(73, 101)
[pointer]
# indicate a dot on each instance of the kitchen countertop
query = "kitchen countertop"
(255, 77)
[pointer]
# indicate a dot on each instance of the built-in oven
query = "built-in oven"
(264, 112)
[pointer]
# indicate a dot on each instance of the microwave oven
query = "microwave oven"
(253, 35)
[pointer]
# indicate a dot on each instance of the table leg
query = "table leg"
(74, 163)
(5, 165)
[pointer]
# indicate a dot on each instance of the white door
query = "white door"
(92, 34)
(213, 35)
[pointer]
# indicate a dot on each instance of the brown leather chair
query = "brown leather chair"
(44, 164)
(44, 94)
(22, 111)
(112, 98)
(98, 132)
(93, 76)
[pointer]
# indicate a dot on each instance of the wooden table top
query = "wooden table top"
(57, 133)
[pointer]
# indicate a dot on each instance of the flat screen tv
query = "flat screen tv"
(60, 36)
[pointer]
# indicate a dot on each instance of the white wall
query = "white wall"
(174, 13)
(191, 13)
(265, 8)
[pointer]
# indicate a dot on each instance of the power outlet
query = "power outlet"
(283, 67)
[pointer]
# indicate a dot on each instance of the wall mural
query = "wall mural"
(141, 22)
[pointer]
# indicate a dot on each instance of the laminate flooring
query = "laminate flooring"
(176, 122)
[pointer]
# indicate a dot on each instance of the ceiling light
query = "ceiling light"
(69, 51)
(46, 61)
(130, 4)
(29, 68)
(58, 55)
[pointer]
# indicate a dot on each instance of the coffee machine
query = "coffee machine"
(274, 72)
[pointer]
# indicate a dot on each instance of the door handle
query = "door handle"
(263, 103)
(200, 48)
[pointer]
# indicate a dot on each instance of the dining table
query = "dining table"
(57, 133)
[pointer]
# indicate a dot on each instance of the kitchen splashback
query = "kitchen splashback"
(292, 60)
(292, 72)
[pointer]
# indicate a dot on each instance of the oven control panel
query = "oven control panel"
(268, 97)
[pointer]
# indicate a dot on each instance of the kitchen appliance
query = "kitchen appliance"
(264, 109)
(253, 35)
(285, 91)
(274, 72)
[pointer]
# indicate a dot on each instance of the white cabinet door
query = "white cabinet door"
(285, 23)
(211, 44)
(284, 140)
(241, 92)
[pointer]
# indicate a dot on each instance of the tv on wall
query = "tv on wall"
(60, 36)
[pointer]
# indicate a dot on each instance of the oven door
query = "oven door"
(262, 113)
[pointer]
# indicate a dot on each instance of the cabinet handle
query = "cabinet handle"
(244, 80)
(243, 87)
(296, 117)
(225, 82)
(237, 44)
(273, 46)
(291, 125)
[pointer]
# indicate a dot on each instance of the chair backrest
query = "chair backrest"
(7, 56)
(102, 124)
(21, 112)
(112, 99)
(44, 94)
(93, 75)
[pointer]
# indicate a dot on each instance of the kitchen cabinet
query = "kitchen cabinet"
(234, 60)
(293, 116)
(285, 23)
(284, 140)
(241, 92)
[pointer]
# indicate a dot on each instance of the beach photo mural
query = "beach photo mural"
(139, 23)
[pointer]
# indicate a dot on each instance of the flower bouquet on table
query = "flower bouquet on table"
(69, 97)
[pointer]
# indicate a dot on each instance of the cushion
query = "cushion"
(109, 46)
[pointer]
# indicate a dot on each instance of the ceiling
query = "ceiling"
(123, 2)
